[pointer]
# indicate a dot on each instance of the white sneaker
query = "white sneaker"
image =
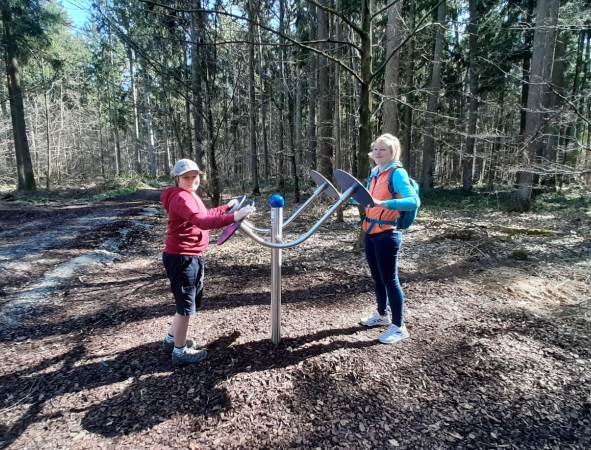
(376, 320)
(394, 334)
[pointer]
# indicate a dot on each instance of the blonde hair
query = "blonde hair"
(391, 142)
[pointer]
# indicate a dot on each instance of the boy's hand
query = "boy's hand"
(235, 203)
(232, 203)
(243, 212)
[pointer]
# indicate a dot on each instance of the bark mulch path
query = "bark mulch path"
(498, 308)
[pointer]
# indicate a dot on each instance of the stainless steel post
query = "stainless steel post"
(276, 237)
(351, 188)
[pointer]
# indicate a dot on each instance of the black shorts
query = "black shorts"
(186, 281)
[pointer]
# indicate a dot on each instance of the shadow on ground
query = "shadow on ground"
(157, 391)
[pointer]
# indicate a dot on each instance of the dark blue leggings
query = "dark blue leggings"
(381, 251)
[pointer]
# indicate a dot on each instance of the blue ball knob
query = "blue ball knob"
(276, 201)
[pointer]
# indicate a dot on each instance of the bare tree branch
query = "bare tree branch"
(407, 38)
(385, 8)
(264, 27)
(338, 14)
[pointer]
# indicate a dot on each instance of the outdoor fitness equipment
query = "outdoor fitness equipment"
(323, 187)
(240, 201)
(351, 188)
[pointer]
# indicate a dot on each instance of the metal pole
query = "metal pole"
(276, 236)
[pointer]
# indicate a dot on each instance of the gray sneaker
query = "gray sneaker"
(188, 356)
(168, 347)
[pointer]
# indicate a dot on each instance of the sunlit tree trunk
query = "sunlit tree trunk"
(197, 24)
(540, 76)
(324, 113)
(312, 99)
(254, 164)
(555, 102)
(525, 67)
(392, 73)
(365, 95)
(101, 143)
(289, 123)
(137, 162)
(570, 142)
(338, 153)
(114, 117)
(468, 156)
(47, 139)
(407, 114)
(298, 116)
(433, 103)
(150, 130)
(264, 108)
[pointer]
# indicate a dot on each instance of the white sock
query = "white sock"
(169, 339)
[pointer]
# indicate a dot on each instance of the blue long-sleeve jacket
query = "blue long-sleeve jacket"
(409, 199)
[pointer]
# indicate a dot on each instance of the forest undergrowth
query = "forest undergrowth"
(497, 305)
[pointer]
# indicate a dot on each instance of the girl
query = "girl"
(382, 239)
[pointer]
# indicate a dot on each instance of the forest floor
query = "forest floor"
(498, 306)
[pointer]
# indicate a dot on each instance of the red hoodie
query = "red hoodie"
(188, 222)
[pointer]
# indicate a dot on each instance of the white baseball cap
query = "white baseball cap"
(183, 166)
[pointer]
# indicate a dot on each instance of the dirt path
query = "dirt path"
(498, 307)
(42, 249)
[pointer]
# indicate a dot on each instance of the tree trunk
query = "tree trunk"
(540, 76)
(407, 153)
(264, 109)
(312, 99)
(282, 101)
(187, 149)
(149, 131)
(432, 103)
(166, 164)
(137, 162)
(298, 116)
(48, 172)
(353, 122)
(365, 96)
(392, 75)
(62, 127)
(114, 116)
(528, 37)
(254, 165)
(33, 140)
(584, 160)
(324, 113)
(101, 144)
(555, 102)
(469, 152)
(197, 28)
(571, 128)
(290, 126)
(24, 166)
(494, 157)
(214, 184)
(338, 157)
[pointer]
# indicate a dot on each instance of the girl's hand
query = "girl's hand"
(377, 202)
(232, 203)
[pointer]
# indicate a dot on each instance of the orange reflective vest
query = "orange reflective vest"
(379, 219)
